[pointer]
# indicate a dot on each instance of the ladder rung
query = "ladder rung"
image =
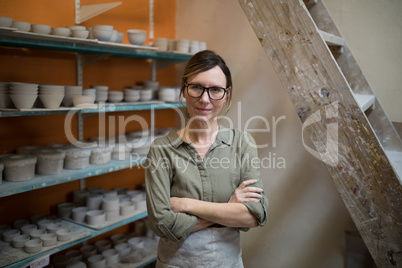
(310, 3)
(365, 101)
(395, 158)
(332, 40)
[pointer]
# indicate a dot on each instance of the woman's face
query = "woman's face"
(204, 106)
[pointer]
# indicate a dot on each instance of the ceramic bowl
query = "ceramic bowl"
(33, 246)
(83, 34)
(64, 234)
(88, 251)
(83, 100)
(102, 245)
(37, 233)
(94, 201)
(127, 208)
(136, 242)
(73, 89)
(77, 27)
(112, 215)
(123, 249)
(95, 217)
(75, 255)
(51, 101)
(41, 28)
(77, 158)
(118, 239)
(24, 101)
(79, 213)
(19, 240)
(19, 167)
(44, 223)
(146, 95)
(68, 98)
(49, 161)
(10, 234)
(115, 96)
(60, 31)
(5, 21)
(96, 261)
(21, 26)
(102, 35)
(112, 256)
(102, 27)
(49, 239)
(167, 94)
(137, 37)
(120, 37)
(110, 203)
(27, 229)
(54, 227)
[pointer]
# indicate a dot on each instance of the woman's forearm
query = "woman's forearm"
(227, 214)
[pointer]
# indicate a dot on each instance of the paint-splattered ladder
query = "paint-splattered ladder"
(345, 121)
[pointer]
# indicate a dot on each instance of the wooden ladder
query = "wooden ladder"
(351, 133)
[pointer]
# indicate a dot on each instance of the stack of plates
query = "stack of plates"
(71, 91)
(5, 101)
(23, 95)
(51, 95)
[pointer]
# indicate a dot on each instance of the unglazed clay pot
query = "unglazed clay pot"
(49, 161)
(19, 167)
(77, 158)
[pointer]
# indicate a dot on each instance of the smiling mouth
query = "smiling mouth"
(203, 110)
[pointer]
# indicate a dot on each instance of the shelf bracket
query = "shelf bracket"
(86, 12)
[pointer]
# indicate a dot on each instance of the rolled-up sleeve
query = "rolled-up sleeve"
(162, 220)
(250, 169)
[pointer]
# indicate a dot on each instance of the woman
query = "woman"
(203, 182)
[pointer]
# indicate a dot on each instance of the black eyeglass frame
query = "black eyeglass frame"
(207, 89)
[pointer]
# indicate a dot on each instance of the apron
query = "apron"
(211, 247)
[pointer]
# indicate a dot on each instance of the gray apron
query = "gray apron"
(210, 247)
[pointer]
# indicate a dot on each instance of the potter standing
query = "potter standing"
(203, 182)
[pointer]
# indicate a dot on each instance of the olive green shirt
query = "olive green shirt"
(175, 169)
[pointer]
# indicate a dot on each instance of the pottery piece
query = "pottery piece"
(79, 213)
(101, 155)
(51, 101)
(102, 245)
(94, 201)
(41, 28)
(80, 101)
(19, 240)
(88, 251)
(77, 158)
(37, 233)
(5, 21)
(19, 167)
(21, 26)
(53, 227)
(96, 261)
(127, 208)
(115, 96)
(33, 246)
(44, 223)
(65, 209)
(112, 215)
(49, 239)
(80, 197)
(18, 224)
(83, 34)
(102, 35)
(167, 94)
(10, 234)
(110, 203)
(111, 256)
(95, 217)
(123, 249)
(136, 242)
(137, 37)
(118, 239)
(64, 234)
(27, 229)
(49, 161)
(60, 31)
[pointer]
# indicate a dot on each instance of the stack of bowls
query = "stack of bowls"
(131, 95)
(61, 31)
(5, 101)
(79, 31)
(101, 93)
(194, 47)
(115, 96)
(152, 85)
(171, 45)
(102, 32)
(167, 94)
(136, 37)
(161, 43)
(51, 96)
(23, 95)
(70, 92)
(5, 21)
(183, 45)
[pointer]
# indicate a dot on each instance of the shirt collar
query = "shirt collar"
(225, 135)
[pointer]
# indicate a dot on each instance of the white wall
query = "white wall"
(307, 218)
(373, 32)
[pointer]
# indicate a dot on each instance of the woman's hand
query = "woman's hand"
(246, 194)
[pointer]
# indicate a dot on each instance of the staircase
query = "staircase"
(352, 135)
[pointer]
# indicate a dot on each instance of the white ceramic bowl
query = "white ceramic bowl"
(79, 213)
(49, 239)
(136, 242)
(21, 26)
(5, 21)
(19, 240)
(95, 217)
(102, 245)
(68, 98)
(73, 89)
(27, 229)
(96, 261)
(23, 101)
(54, 227)
(51, 101)
(123, 249)
(10, 234)
(102, 27)
(137, 37)
(110, 203)
(60, 31)
(37, 233)
(83, 34)
(77, 27)
(102, 35)
(81, 100)
(115, 96)
(146, 95)
(41, 28)
(127, 208)
(33, 246)
(64, 234)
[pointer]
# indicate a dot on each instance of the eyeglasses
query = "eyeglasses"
(214, 93)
